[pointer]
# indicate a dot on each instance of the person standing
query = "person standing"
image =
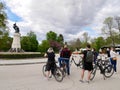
(64, 57)
(50, 62)
(87, 63)
(113, 58)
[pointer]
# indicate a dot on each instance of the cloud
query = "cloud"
(68, 17)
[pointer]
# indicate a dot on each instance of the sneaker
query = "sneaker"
(115, 72)
(81, 81)
(88, 81)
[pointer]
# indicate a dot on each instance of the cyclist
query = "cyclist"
(64, 57)
(50, 62)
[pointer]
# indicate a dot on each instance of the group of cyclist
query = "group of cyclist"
(65, 55)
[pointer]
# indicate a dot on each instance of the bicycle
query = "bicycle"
(105, 68)
(77, 61)
(58, 75)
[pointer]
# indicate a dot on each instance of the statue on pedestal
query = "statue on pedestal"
(16, 46)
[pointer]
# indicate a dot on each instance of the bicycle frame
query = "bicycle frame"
(79, 64)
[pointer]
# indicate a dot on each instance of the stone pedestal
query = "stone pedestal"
(16, 46)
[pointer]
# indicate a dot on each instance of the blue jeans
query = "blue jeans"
(114, 63)
(66, 60)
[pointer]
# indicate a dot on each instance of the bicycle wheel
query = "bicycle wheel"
(109, 70)
(58, 74)
(93, 72)
(45, 72)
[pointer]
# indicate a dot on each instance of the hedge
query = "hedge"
(21, 55)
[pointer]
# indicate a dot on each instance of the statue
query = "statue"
(16, 28)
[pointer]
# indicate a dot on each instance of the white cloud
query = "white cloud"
(67, 17)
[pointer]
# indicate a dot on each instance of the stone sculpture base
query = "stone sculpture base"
(16, 46)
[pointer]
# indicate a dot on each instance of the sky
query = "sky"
(71, 18)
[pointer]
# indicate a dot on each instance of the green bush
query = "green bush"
(20, 55)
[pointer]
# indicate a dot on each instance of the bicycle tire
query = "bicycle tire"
(58, 74)
(108, 72)
(44, 71)
(93, 73)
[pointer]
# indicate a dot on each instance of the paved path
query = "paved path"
(30, 77)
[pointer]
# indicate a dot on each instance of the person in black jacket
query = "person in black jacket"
(50, 62)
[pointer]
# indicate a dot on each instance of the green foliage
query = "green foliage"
(3, 16)
(21, 55)
(99, 42)
(54, 40)
(51, 36)
(44, 46)
(60, 38)
(5, 42)
(29, 43)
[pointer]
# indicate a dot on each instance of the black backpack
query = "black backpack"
(89, 56)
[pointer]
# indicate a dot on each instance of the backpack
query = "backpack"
(89, 56)
(66, 53)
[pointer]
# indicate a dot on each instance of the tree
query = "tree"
(75, 44)
(3, 18)
(117, 18)
(55, 41)
(25, 43)
(99, 42)
(86, 38)
(51, 36)
(107, 29)
(29, 42)
(5, 40)
(60, 38)
(43, 46)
